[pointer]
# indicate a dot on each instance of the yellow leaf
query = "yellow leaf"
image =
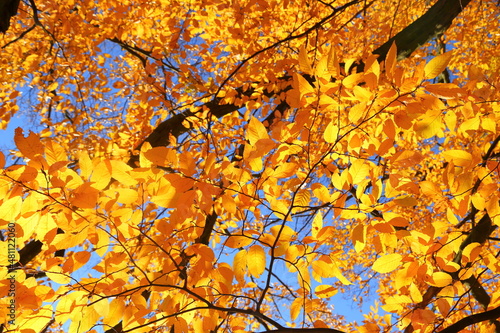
(437, 65)
(286, 233)
(46, 224)
(331, 132)
(85, 165)
(37, 320)
(127, 196)
(322, 268)
(352, 80)
(317, 224)
(53, 86)
(304, 64)
(256, 260)
(325, 291)
(296, 307)
(359, 170)
(406, 201)
(121, 172)
(458, 157)
(406, 158)
(356, 112)
(240, 265)
(430, 189)
(238, 241)
(443, 305)
(415, 294)
(387, 263)
(430, 124)
(470, 252)
(333, 63)
(101, 175)
(303, 85)
(54, 152)
(55, 274)
(440, 279)
(255, 131)
(10, 208)
(81, 258)
(285, 170)
(302, 198)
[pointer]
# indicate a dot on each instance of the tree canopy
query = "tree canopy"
(230, 166)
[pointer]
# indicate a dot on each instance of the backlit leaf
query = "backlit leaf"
(437, 65)
(240, 265)
(304, 64)
(29, 146)
(440, 279)
(331, 132)
(458, 157)
(387, 263)
(256, 260)
(325, 291)
(317, 224)
(296, 307)
(255, 131)
(56, 274)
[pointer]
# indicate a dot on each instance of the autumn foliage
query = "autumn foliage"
(234, 166)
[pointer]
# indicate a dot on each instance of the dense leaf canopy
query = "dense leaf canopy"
(234, 166)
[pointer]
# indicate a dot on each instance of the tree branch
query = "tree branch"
(304, 330)
(427, 27)
(472, 319)
(434, 22)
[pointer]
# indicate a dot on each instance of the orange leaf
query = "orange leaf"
(359, 237)
(85, 196)
(390, 61)
(445, 90)
(30, 146)
(325, 291)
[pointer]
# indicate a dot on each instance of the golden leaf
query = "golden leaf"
(437, 65)
(387, 263)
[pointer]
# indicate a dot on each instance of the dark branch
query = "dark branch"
(8, 9)
(471, 320)
(427, 27)
(304, 330)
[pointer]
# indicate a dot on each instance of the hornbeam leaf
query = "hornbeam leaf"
(304, 64)
(256, 131)
(437, 65)
(387, 263)
(256, 260)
